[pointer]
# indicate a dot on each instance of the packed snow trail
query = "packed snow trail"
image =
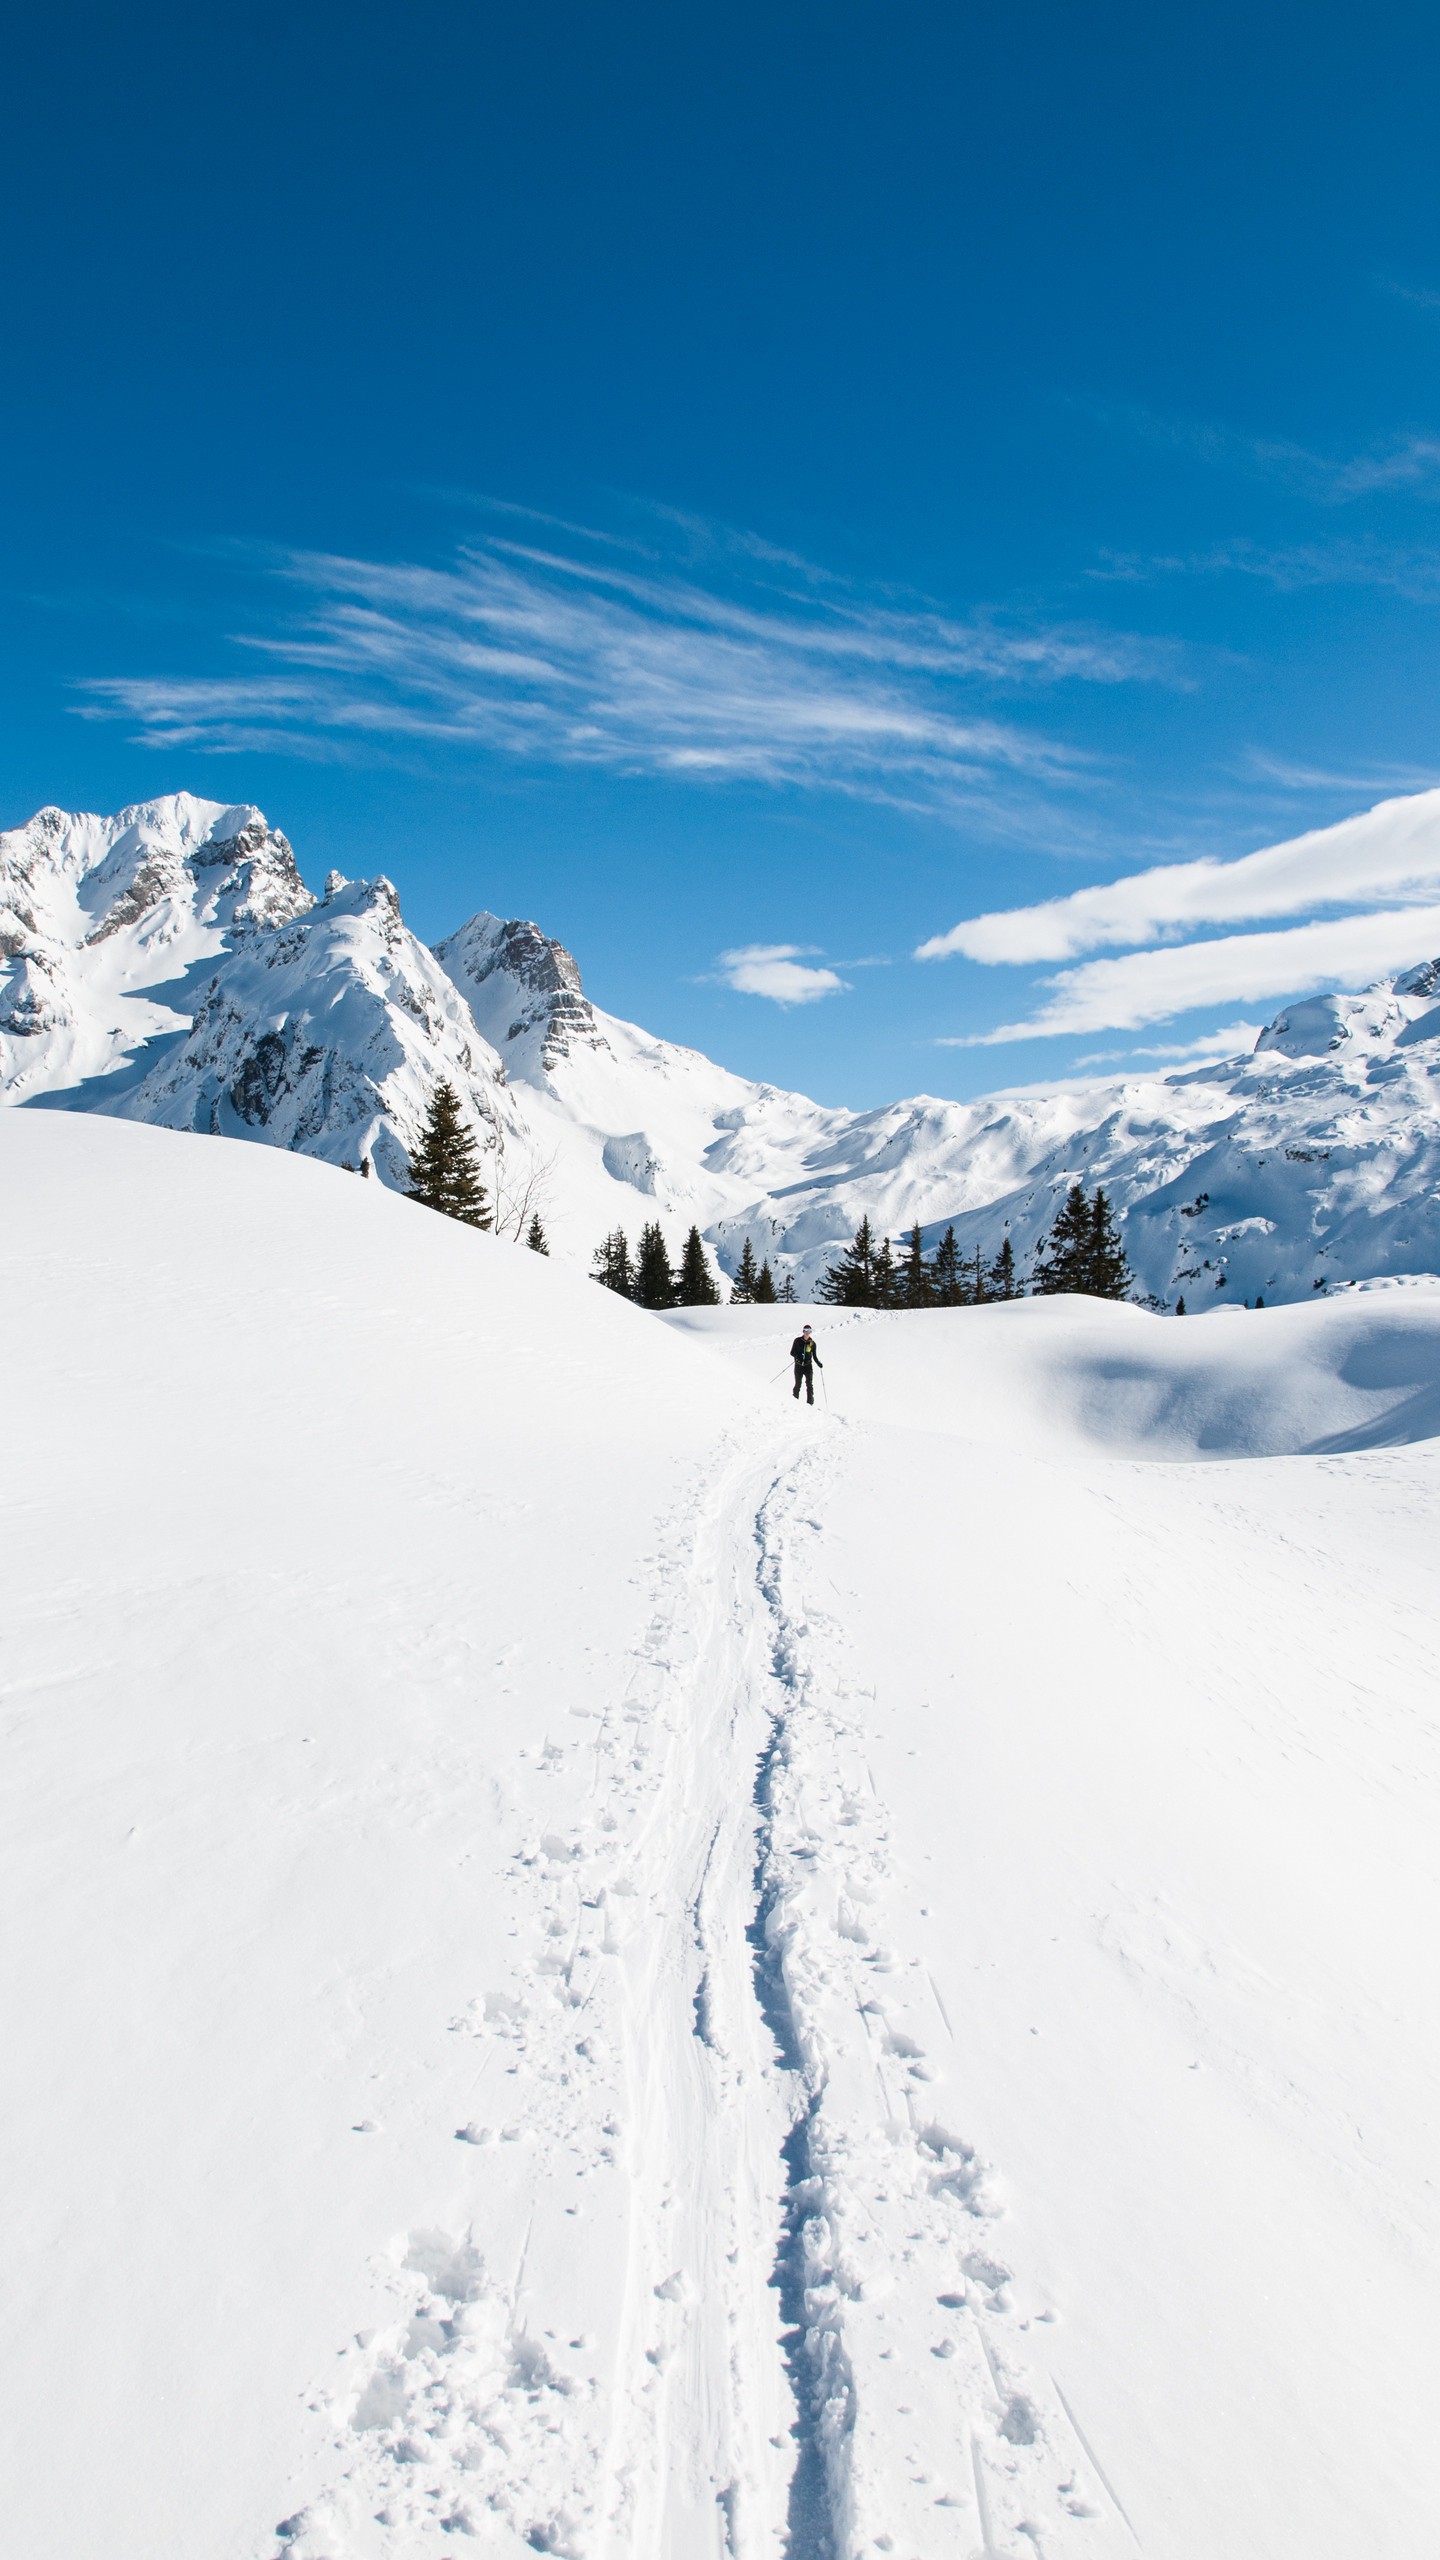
(596, 1964)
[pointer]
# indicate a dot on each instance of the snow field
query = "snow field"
(324, 1537)
(593, 1963)
(1157, 1748)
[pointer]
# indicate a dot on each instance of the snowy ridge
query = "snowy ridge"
(169, 965)
(328, 1036)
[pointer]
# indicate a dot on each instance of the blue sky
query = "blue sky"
(780, 483)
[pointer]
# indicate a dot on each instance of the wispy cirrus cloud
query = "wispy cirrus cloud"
(1360, 780)
(780, 970)
(1408, 570)
(1409, 459)
(707, 660)
(1421, 297)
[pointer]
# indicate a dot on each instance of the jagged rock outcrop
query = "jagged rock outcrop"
(524, 991)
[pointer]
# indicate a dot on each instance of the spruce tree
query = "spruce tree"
(535, 1236)
(612, 1265)
(887, 1278)
(946, 1280)
(695, 1281)
(1001, 1280)
(1109, 1274)
(786, 1291)
(765, 1286)
(444, 1170)
(1179, 1306)
(977, 1285)
(1083, 1252)
(914, 1274)
(654, 1279)
(742, 1287)
(1064, 1260)
(850, 1280)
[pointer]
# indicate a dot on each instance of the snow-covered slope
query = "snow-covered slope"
(591, 1963)
(168, 965)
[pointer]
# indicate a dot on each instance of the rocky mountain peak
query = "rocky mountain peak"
(524, 990)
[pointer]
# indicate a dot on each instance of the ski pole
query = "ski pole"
(825, 1391)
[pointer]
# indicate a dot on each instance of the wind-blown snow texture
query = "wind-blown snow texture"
(593, 1962)
(168, 965)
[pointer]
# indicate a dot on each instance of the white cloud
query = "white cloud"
(728, 662)
(1232, 1040)
(775, 969)
(1155, 986)
(1392, 851)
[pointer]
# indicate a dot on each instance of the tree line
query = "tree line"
(1082, 1253)
(650, 1279)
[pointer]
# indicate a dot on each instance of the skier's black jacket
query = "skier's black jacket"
(801, 1351)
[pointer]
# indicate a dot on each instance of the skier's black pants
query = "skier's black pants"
(805, 1377)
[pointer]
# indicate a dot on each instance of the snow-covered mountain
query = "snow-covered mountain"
(1313, 1160)
(108, 927)
(169, 965)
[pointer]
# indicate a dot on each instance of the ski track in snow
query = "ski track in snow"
(765, 2127)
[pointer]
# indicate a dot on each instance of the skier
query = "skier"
(807, 1360)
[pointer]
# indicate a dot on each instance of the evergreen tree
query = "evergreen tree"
(742, 1287)
(1083, 1252)
(1109, 1274)
(1259, 1302)
(1064, 1260)
(786, 1291)
(914, 1274)
(444, 1170)
(947, 1281)
(850, 1281)
(695, 1281)
(887, 1278)
(765, 1286)
(1179, 1306)
(654, 1279)
(1001, 1280)
(977, 1286)
(612, 1266)
(536, 1237)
